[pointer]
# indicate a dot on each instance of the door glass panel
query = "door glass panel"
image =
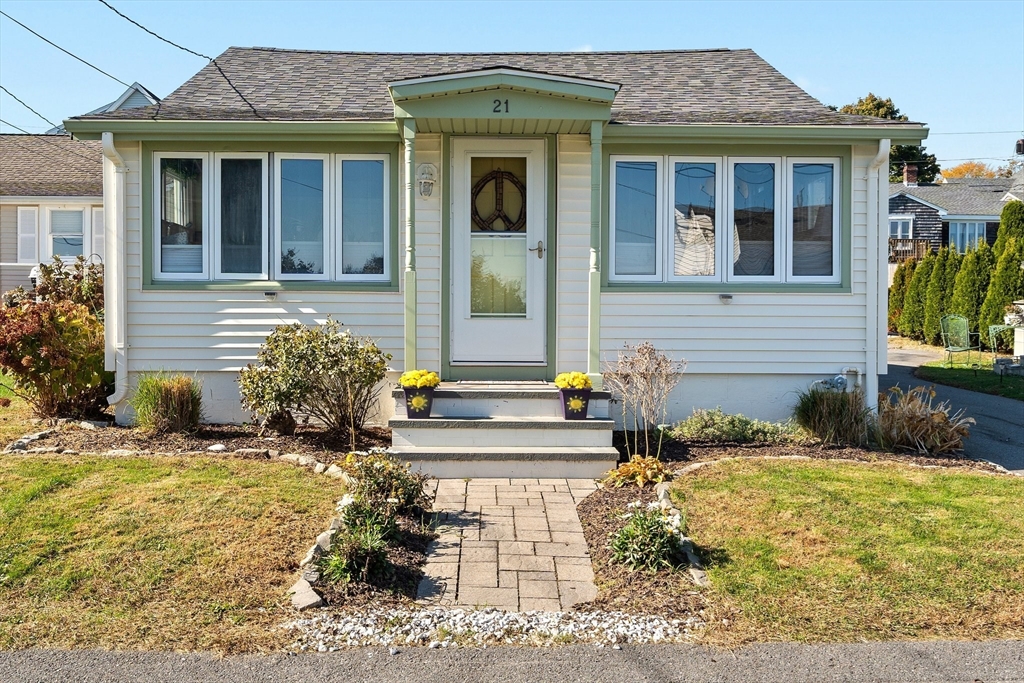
(498, 250)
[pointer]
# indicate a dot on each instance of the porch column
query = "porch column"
(409, 138)
(594, 307)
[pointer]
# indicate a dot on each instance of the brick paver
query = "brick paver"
(514, 544)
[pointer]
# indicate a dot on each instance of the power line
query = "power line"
(978, 132)
(22, 103)
(152, 33)
(93, 66)
(45, 139)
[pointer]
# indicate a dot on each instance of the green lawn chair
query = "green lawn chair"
(957, 336)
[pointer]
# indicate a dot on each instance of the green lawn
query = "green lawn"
(152, 553)
(14, 419)
(829, 551)
(976, 379)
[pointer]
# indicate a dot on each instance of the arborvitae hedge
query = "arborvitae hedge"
(912, 320)
(1006, 286)
(969, 287)
(933, 310)
(953, 264)
(898, 292)
(1011, 224)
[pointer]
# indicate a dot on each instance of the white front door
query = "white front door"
(499, 252)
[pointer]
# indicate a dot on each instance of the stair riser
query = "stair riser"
(475, 407)
(529, 469)
(500, 438)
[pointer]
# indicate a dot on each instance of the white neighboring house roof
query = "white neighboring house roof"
(136, 95)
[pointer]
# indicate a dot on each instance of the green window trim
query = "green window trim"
(669, 149)
(150, 148)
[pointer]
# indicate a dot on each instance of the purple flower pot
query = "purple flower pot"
(575, 403)
(418, 402)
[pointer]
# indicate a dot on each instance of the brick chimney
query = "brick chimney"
(910, 175)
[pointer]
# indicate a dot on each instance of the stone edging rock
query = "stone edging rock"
(697, 572)
(693, 467)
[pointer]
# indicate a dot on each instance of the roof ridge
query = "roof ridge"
(491, 52)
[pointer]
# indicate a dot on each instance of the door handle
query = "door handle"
(539, 249)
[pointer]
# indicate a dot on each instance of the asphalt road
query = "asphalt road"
(922, 662)
(998, 435)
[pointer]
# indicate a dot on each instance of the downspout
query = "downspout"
(875, 309)
(115, 289)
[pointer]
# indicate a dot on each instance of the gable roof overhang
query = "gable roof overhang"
(502, 100)
(909, 195)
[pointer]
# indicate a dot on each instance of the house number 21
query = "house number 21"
(498, 104)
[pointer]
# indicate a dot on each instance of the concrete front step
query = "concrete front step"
(538, 462)
(543, 401)
(501, 432)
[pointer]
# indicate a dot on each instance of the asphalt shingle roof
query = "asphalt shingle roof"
(50, 166)
(961, 197)
(671, 87)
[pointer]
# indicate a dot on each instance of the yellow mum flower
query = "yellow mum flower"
(573, 380)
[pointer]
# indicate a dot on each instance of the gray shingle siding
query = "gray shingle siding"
(926, 220)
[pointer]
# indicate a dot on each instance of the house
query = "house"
(500, 218)
(51, 195)
(959, 212)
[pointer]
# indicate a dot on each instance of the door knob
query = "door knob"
(539, 249)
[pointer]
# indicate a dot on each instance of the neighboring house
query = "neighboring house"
(51, 202)
(51, 195)
(959, 212)
(502, 217)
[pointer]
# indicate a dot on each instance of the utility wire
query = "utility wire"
(22, 103)
(152, 33)
(70, 54)
(45, 139)
(978, 132)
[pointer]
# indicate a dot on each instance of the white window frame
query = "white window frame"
(158, 194)
(328, 227)
(670, 248)
(263, 274)
(31, 214)
(837, 206)
(660, 217)
(900, 218)
(981, 234)
(48, 234)
(780, 207)
(339, 229)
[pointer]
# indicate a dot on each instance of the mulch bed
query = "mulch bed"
(399, 586)
(307, 440)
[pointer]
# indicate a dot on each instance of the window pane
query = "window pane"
(241, 215)
(694, 219)
(498, 275)
(181, 215)
(302, 216)
(754, 219)
(813, 241)
(362, 217)
(894, 228)
(66, 222)
(636, 217)
(65, 246)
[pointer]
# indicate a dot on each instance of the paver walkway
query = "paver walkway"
(514, 544)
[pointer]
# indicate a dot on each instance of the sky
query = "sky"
(956, 66)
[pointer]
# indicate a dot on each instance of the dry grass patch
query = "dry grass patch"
(828, 551)
(15, 418)
(152, 553)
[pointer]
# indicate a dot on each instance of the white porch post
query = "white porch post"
(409, 138)
(594, 305)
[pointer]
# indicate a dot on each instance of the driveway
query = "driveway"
(999, 435)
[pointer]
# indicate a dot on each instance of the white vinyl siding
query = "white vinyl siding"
(28, 231)
(573, 253)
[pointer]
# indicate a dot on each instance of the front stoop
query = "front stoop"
(508, 431)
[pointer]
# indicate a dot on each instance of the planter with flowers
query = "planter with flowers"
(574, 388)
(419, 392)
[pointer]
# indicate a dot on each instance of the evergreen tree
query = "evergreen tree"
(968, 291)
(1005, 287)
(899, 155)
(898, 292)
(912, 320)
(1011, 224)
(953, 264)
(934, 294)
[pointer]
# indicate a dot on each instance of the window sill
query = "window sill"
(261, 286)
(729, 287)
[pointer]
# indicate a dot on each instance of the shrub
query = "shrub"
(1006, 285)
(898, 292)
(380, 481)
(359, 552)
(319, 372)
(168, 403)
(1011, 225)
(54, 354)
(80, 282)
(909, 422)
(639, 470)
(648, 540)
(912, 320)
(934, 307)
(969, 288)
(642, 378)
(714, 425)
(839, 417)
